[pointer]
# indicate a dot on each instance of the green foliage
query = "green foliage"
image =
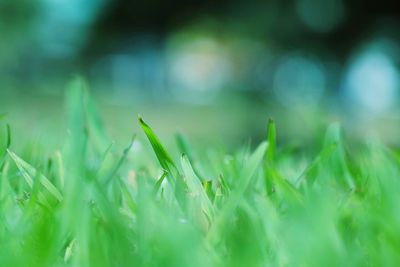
(90, 204)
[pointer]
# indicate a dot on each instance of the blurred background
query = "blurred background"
(214, 70)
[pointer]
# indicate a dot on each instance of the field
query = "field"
(85, 201)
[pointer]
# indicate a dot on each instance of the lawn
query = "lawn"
(87, 202)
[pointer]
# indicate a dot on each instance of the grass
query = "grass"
(91, 204)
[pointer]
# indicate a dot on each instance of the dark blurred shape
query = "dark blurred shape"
(126, 21)
(321, 16)
(17, 20)
(311, 25)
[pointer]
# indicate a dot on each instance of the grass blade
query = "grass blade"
(195, 187)
(162, 155)
(29, 172)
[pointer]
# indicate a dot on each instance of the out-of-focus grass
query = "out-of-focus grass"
(89, 203)
(230, 119)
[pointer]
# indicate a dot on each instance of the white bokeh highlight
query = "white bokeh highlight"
(372, 82)
(299, 81)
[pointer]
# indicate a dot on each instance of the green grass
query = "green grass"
(92, 204)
